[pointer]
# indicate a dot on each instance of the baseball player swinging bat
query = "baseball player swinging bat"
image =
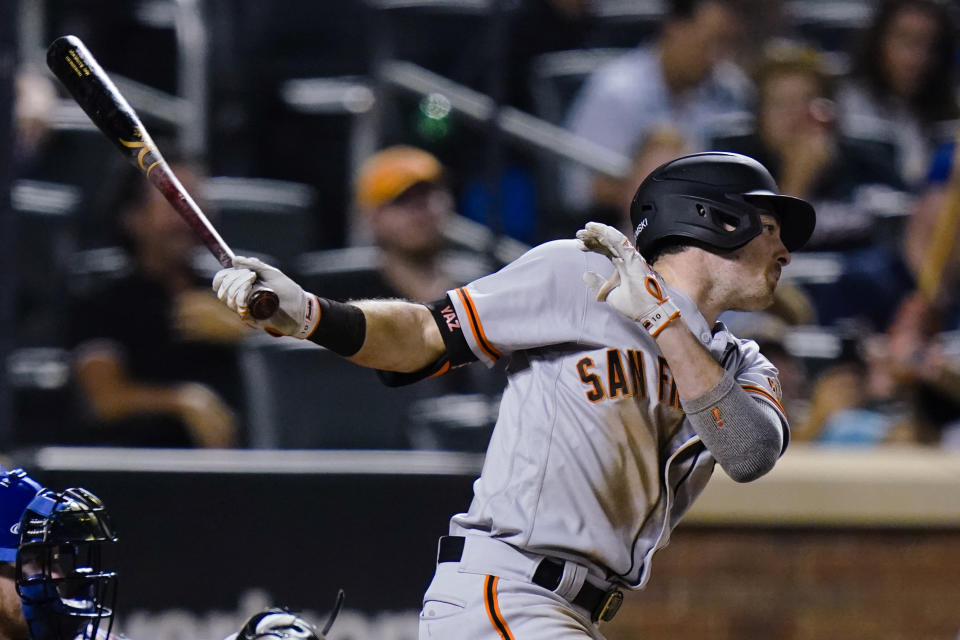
(96, 94)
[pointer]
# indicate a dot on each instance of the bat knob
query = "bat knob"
(263, 304)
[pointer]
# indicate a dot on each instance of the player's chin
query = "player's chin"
(757, 300)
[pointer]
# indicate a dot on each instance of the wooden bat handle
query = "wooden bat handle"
(263, 304)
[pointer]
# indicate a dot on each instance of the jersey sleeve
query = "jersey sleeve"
(537, 300)
(760, 379)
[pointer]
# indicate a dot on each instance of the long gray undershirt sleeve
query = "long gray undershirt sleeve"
(743, 434)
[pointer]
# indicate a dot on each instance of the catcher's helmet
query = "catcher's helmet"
(279, 623)
(17, 489)
(716, 199)
(66, 591)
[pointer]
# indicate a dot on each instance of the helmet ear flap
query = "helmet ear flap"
(724, 220)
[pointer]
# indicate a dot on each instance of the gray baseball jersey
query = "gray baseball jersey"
(591, 459)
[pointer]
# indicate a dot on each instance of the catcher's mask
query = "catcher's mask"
(66, 591)
(714, 198)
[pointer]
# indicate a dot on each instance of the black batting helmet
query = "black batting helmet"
(714, 198)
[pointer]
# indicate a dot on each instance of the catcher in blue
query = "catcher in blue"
(55, 579)
(624, 391)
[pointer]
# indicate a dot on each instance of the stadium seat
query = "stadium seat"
(273, 217)
(833, 25)
(339, 274)
(556, 77)
(45, 222)
(41, 394)
(301, 396)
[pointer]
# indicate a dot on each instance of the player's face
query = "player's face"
(749, 276)
(13, 626)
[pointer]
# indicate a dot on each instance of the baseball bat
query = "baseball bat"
(71, 61)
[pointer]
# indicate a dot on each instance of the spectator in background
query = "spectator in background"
(685, 79)
(932, 233)
(612, 197)
(404, 206)
(851, 182)
(898, 386)
(796, 136)
(154, 355)
(35, 100)
(903, 81)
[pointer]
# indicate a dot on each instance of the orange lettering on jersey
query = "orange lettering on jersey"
(450, 316)
(637, 373)
(667, 387)
(629, 382)
(615, 375)
(595, 394)
(663, 378)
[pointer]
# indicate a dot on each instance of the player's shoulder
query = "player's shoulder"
(565, 254)
(562, 249)
(745, 353)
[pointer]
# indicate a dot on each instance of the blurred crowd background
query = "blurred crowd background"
(403, 147)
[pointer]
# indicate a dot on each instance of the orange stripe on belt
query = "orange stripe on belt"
(475, 325)
(493, 609)
(766, 394)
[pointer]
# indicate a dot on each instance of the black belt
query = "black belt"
(602, 605)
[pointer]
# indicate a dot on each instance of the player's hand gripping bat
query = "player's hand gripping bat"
(96, 94)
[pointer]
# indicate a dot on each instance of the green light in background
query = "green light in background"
(433, 117)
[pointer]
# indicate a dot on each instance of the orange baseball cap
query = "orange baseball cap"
(388, 173)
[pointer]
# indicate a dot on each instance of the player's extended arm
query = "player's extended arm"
(391, 335)
(744, 436)
(400, 336)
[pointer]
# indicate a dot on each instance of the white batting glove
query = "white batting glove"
(298, 313)
(634, 289)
